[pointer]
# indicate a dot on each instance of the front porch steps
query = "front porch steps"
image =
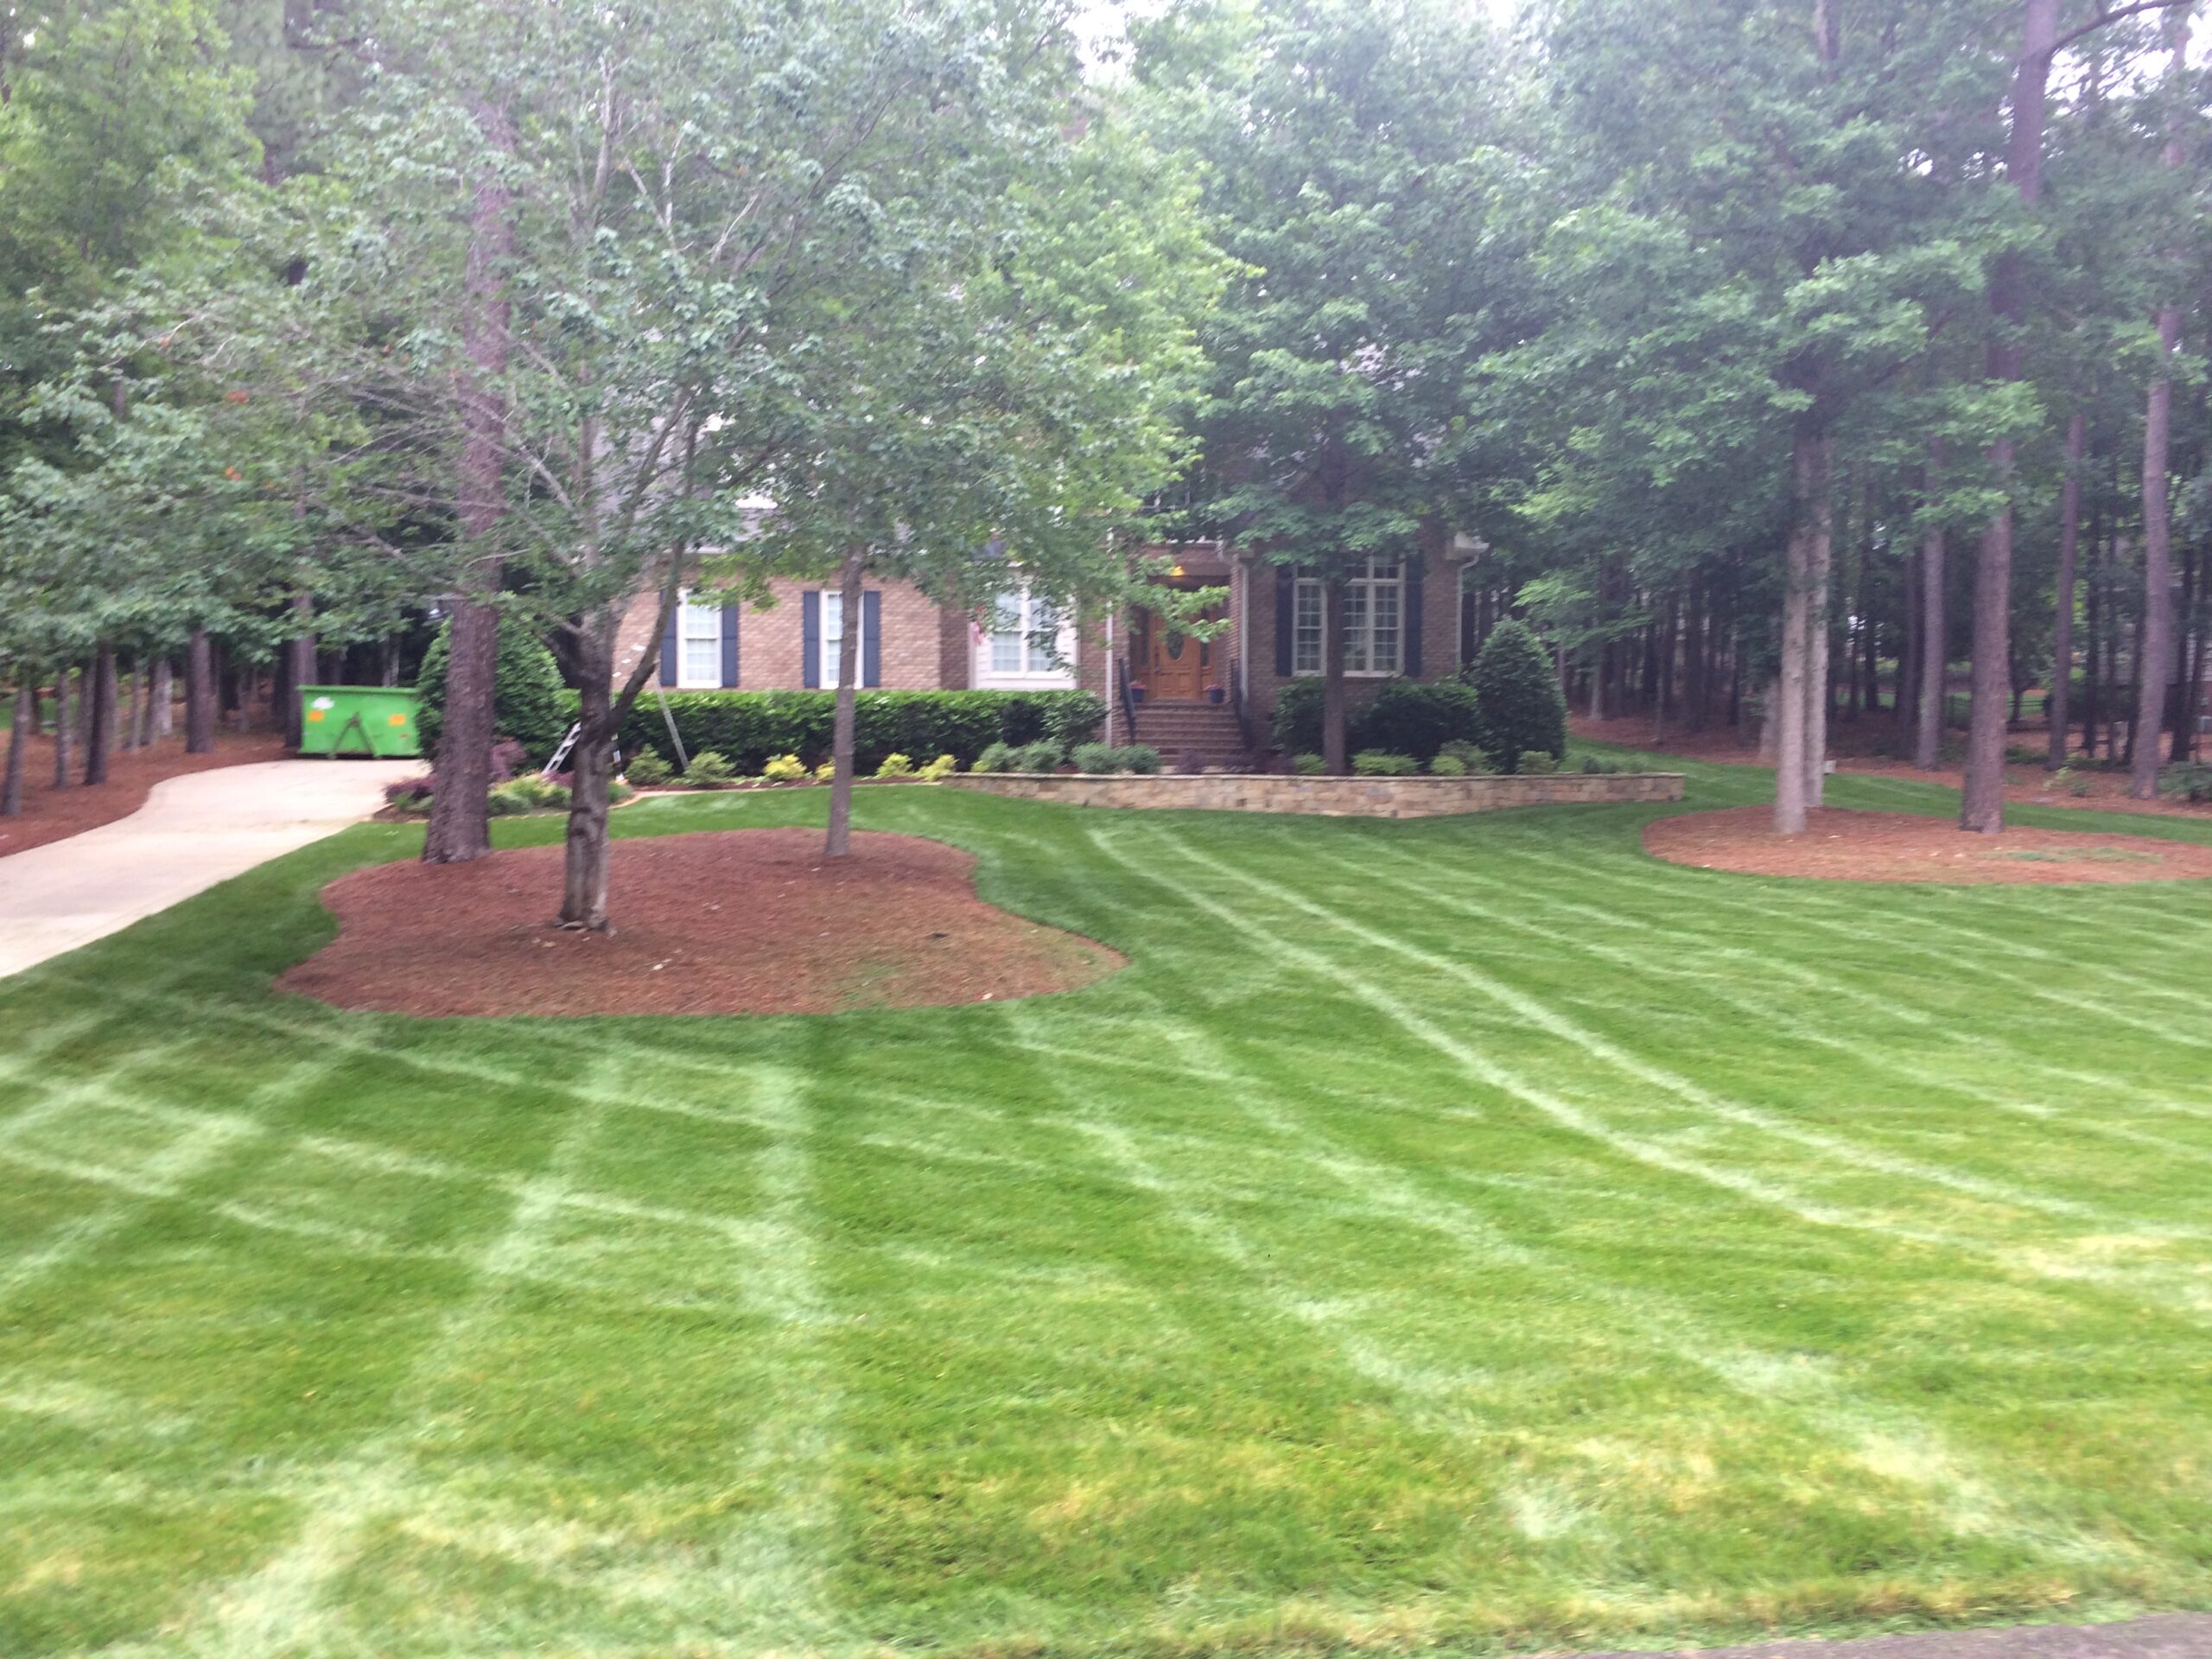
(1193, 736)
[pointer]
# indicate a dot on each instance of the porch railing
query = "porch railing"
(1129, 703)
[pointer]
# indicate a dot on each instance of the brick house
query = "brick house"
(1403, 617)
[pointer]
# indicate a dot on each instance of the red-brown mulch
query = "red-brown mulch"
(1844, 846)
(741, 921)
(51, 814)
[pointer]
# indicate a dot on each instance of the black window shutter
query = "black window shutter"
(729, 644)
(1409, 619)
(872, 636)
(809, 650)
(1286, 604)
(669, 644)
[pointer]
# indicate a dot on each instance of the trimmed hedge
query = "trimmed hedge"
(531, 704)
(752, 727)
(1518, 693)
(1414, 717)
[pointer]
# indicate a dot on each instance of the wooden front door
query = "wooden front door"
(1176, 667)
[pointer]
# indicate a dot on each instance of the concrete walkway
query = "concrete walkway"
(2175, 1635)
(193, 831)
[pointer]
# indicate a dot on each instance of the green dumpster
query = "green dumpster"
(373, 719)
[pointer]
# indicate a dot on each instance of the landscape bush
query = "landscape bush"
(995, 757)
(1043, 755)
(1380, 763)
(1107, 757)
(529, 793)
(896, 766)
(709, 769)
(1517, 698)
(2191, 782)
(826, 772)
(647, 770)
(752, 727)
(784, 769)
(1473, 759)
(1447, 765)
(942, 767)
(1529, 762)
(1415, 717)
(1309, 765)
(530, 704)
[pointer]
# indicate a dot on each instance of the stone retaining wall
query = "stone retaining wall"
(1333, 798)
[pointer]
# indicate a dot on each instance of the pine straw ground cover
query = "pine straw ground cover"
(1464, 1234)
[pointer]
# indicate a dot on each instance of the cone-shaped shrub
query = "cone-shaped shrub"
(1518, 697)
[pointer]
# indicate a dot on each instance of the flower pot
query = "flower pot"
(1215, 694)
(1136, 694)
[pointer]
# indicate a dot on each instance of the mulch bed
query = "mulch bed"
(1845, 846)
(51, 814)
(743, 921)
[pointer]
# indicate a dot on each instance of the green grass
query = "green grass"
(1466, 1234)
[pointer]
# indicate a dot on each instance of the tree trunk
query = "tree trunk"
(1335, 751)
(65, 726)
(460, 828)
(2061, 611)
(1907, 708)
(1819, 690)
(1982, 805)
(19, 737)
(2157, 524)
(162, 695)
(591, 772)
(129, 704)
(2184, 707)
(100, 730)
(299, 668)
(199, 694)
(850, 575)
(1802, 685)
(388, 660)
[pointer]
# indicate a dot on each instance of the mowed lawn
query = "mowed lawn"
(1468, 1234)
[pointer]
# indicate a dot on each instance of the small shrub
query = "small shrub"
(995, 757)
(618, 791)
(896, 766)
(1097, 757)
(1309, 765)
(1447, 765)
(826, 772)
(410, 794)
(1472, 760)
(943, 766)
(647, 770)
(1140, 758)
(2192, 782)
(1042, 756)
(1531, 762)
(1380, 763)
(1517, 695)
(528, 794)
(1415, 717)
(784, 769)
(709, 770)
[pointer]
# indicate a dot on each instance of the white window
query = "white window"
(1374, 608)
(833, 638)
(1028, 642)
(698, 644)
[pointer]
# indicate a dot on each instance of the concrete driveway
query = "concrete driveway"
(2176, 1635)
(193, 832)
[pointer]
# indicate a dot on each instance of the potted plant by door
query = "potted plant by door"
(1136, 692)
(1216, 694)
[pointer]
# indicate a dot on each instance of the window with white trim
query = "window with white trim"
(698, 644)
(1028, 642)
(1374, 618)
(833, 638)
